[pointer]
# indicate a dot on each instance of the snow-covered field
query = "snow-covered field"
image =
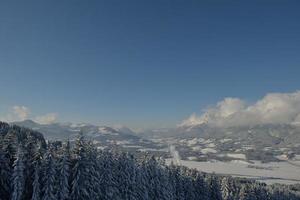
(208, 150)
(273, 172)
(236, 155)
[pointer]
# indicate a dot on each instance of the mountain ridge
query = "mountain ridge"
(62, 131)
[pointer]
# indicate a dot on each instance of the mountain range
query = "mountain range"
(262, 142)
(63, 131)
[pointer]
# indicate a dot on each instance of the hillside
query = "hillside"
(63, 131)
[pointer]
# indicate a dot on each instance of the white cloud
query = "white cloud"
(16, 113)
(46, 119)
(275, 108)
(20, 113)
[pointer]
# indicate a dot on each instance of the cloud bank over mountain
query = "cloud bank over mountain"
(274, 108)
(20, 113)
(46, 119)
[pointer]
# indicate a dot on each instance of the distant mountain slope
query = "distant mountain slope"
(62, 131)
(268, 134)
(267, 142)
(19, 134)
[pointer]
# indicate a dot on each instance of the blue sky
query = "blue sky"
(144, 63)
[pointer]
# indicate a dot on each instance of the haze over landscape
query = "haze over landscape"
(200, 97)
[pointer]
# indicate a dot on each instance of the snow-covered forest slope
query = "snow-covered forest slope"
(30, 168)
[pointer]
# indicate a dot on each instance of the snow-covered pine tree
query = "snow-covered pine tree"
(261, 192)
(157, 179)
(226, 188)
(93, 174)
(187, 183)
(30, 151)
(280, 193)
(214, 187)
(18, 176)
(163, 181)
(37, 163)
(150, 172)
(64, 173)
(49, 175)
(5, 173)
(126, 174)
(82, 186)
(108, 184)
(5, 170)
(36, 193)
(247, 192)
(176, 181)
(142, 190)
(200, 185)
(10, 146)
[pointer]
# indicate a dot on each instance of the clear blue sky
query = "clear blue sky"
(144, 63)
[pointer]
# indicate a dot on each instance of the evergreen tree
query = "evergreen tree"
(29, 153)
(5, 173)
(200, 186)
(226, 189)
(10, 146)
(176, 181)
(38, 157)
(82, 186)
(126, 177)
(36, 194)
(246, 193)
(93, 174)
(108, 182)
(49, 175)
(158, 186)
(261, 192)
(64, 175)
(18, 176)
(214, 187)
(142, 185)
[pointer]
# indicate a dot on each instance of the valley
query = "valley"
(260, 152)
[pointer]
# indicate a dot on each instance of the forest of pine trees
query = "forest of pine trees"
(30, 168)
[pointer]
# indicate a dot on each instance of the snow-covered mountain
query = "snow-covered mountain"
(284, 134)
(265, 133)
(261, 142)
(62, 131)
(102, 136)
(266, 142)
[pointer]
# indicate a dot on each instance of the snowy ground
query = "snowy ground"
(236, 155)
(273, 172)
